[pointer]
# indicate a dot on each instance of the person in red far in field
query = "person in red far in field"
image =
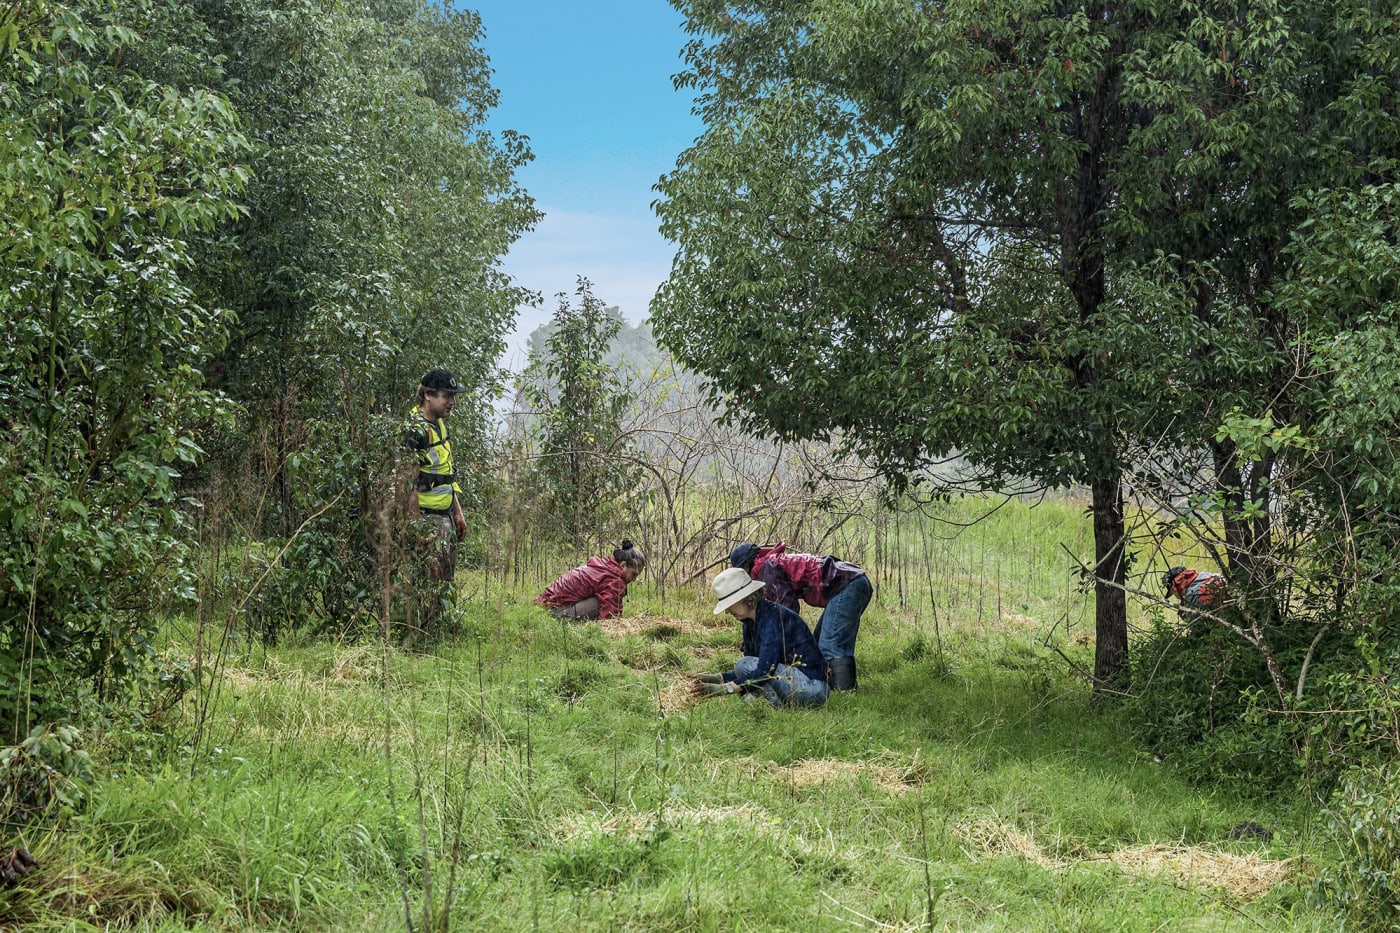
(1197, 589)
(595, 590)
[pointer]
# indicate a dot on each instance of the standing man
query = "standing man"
(435, 484)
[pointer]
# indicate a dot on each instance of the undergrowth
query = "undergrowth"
(530, 774)
(515, 779)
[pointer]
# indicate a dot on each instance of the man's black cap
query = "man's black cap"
(743, 555)
(440, 380)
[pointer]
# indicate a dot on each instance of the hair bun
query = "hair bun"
(626, 544)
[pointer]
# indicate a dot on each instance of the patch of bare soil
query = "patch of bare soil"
(1243, 876)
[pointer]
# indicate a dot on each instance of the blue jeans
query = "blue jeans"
(840, 620)
(787, 685)
(586, 608)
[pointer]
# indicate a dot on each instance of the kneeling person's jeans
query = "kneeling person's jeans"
(583, 609)
(786, 685)
(840, 620)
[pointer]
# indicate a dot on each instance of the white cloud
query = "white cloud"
(625, 258)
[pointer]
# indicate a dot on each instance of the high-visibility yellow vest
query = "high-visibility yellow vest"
(436, 483)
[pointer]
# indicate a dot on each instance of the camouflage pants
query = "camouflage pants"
(442, 550)
(438, 559)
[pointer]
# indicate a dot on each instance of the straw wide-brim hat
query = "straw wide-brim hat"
(731, 586)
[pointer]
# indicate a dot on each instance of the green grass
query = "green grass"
(532, 774)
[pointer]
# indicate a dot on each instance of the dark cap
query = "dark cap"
(743, 555)
(440, 380)
(1170, 576)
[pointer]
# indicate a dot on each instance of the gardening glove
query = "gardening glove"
(700, 689)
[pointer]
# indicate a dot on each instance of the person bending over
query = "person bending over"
(839, 588)
(1198, 590)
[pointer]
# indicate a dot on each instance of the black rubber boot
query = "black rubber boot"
(841, 674)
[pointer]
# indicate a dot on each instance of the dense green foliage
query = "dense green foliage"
(1362, 885)
(107, 177)
(283, 212)
(1067, 241)
(369, 255)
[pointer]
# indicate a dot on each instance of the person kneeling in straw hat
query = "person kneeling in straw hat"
(781, 660)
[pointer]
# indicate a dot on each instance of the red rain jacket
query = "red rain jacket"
(600, 577)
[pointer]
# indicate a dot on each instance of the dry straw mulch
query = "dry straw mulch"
(742, 818)
(272, 671)
(359, 663)
(886, 773)
(676, 696)
(623, 626)
(1242, 876)
(352, 664)
(577, 825)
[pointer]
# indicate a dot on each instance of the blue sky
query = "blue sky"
(590, 84)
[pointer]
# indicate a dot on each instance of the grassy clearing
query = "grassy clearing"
(533, 774)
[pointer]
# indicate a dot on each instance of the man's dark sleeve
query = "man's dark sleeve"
(415, 438)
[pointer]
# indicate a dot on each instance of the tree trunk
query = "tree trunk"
(1110, 601)
(1248, 532)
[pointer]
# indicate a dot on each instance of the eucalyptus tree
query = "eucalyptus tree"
(999, 227)
(579, 400)
(106, 177)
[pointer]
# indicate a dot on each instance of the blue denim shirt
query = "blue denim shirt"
(777, 635)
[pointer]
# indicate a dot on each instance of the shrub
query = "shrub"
(1355, 713)
(45, 772)
(102, 342)
(1198, 701)
(1364, 821)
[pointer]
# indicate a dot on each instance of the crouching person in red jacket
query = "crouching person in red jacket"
(1197, 590)
(595, 590)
